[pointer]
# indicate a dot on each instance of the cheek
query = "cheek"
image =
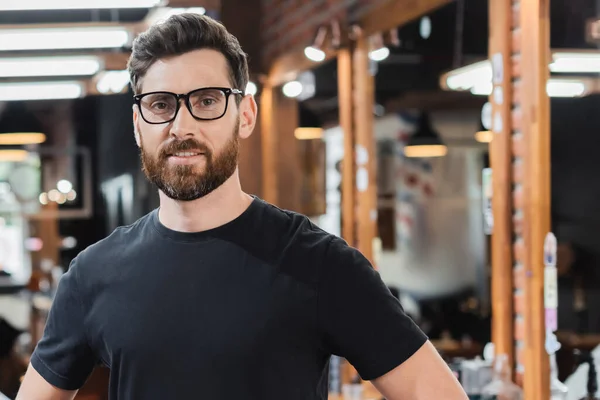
(218, 135)
(151, 136)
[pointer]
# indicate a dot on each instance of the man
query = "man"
(217, 294)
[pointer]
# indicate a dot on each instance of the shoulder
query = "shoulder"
(293, 242)
(295, 231)
(105, 252)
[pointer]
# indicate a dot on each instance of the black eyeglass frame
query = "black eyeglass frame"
(186, 96)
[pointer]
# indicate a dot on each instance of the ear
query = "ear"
(136, 125)
(248, 115)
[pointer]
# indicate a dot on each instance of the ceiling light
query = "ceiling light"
(425, 142)
(112, 81)
(251, 88)
(304, 133)
(314, 52)
(425, 27)
(49, 66)
(13, 155)
(64, 186)
(484, 136)
(377, 49)
(565, 88)
(554, 88)
(63, 38)
(26, 5)
(292, 89)
(161, 14)
(469, 76)
(40, 91)
(380, 54)
(310, 125)
(575, 62)
(21, 138)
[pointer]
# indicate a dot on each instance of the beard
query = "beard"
(184, 182)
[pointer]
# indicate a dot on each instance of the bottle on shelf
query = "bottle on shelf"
(558, 390)
(501, 387)
(592, 381)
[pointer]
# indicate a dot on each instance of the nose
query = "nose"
(184, 124)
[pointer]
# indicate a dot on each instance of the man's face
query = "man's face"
(188, 158)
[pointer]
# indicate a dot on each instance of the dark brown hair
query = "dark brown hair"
(180, 34)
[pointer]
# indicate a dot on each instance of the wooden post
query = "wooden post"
(288, 153)
(500, 46)
(531, 95)
(365, 151)
(269, 144)
(344, 67)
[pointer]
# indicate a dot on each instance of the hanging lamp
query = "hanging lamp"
(425, 142)
(18, 127)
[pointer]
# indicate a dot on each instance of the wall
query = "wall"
(291, 24)
(125, 192)
(440, 243)
(575, 193)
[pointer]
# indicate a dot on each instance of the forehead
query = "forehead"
(186, 72)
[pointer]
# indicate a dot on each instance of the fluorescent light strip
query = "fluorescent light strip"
(27, 5)
(570, 62)
(554, 88)
(63, 38)
(112, 81)
(13, 155)
(40, 91)
(22, 138)
(161, 14)
(48, 66)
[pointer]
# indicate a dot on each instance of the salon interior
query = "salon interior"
(447, 140)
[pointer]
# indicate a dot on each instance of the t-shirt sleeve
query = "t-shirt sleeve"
(63, 356)
(360, 318)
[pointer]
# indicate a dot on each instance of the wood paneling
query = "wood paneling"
(500, 12)
(344, 65)
(288, 152)
(268, 144)
(365, 151)
(535, 107)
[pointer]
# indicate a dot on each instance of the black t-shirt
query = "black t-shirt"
(249, 310)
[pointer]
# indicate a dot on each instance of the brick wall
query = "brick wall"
(519, 252)
(291, 24)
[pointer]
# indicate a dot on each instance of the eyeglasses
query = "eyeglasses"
(204, 104)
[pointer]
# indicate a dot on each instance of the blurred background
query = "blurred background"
(377, 120)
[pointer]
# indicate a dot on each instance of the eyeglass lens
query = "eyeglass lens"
(204, 104)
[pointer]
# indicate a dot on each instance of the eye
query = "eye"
(207, 102)
(159, 105)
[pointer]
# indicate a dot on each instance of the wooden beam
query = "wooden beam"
(395, 13)
(269, 144)
(344, 66)
(534, 18)
(500, 13)
(365, 151)
(389, 15)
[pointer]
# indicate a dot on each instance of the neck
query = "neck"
(219, 207)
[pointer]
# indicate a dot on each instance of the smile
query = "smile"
(186, 154)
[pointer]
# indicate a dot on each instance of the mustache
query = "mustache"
(183, 145)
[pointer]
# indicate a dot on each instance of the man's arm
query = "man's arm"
(424, 376)
(34, 386)
(63, 359)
